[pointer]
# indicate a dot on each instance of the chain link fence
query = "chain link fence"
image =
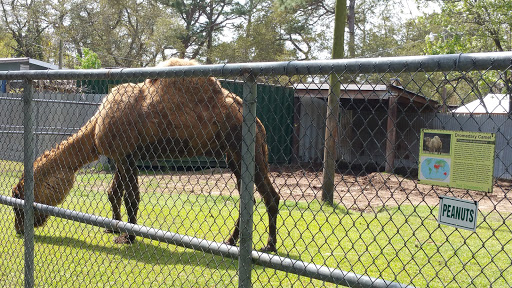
(152, 184)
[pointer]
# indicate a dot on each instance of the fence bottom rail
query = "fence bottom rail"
(289, 265)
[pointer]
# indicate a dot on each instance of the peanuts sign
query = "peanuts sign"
(458, 213)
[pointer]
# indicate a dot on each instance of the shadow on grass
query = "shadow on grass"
(314, 205)
(154, 253)
(339, 208)
(336, 207)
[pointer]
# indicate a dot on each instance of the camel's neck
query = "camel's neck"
(70, 155)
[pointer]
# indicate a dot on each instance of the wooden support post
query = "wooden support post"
(331, 134)
(331, 122)
(296, 130)
(345, 136)
(391, 134)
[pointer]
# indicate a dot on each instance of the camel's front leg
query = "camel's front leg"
(115, 196)
(129, 178)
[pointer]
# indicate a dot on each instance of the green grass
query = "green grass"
(403, 244)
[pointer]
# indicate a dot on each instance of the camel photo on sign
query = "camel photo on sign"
(436, 143)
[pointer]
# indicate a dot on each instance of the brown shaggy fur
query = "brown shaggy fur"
(159, 118)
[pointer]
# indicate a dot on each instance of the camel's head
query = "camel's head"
(19, 216)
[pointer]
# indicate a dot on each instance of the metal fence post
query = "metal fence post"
(247, 180)
(28, 160)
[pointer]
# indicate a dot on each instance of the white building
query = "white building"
(492, 103)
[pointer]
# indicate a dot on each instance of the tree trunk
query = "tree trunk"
(209, 34)
(351, 17)
(331, 125)
(391, 134)
(61, 54)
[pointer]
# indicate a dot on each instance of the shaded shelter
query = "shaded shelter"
(379, 125)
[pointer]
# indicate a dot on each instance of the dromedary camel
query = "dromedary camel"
(159, 118)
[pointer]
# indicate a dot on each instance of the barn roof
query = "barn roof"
(25, 63)
(366, 92)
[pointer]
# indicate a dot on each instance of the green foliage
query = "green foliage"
(89, 60)
(124, 33)
(278, 31)
(471, 26)
(203, 22)
(252, 46)
(6, 44)
(27, 24)
(452, 43)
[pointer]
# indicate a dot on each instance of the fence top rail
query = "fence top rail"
(427, 63)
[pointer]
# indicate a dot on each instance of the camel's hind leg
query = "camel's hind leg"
(128, 182)
(266, 190)
(233, 164)
(115, 196)
(269, 194)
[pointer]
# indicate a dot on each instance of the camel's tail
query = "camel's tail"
(262, 134)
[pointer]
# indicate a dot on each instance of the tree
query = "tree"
(351, 28)
(124, 33)
(58, 15)
(309, 28)
(377, 31)
(90, 60)
(202, 22)
(262, 24)
(484, 25)
(254, 46)
(296, 29)
(6, 44)
(472, 26)
(26, 21)
(331, 122)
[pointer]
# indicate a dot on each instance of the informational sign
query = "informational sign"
(458, 213)
(457, 159)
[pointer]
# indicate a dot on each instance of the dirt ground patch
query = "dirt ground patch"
(355, 191)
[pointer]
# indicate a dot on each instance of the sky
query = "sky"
(410, 8)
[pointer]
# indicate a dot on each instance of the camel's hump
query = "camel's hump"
(177, 62)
